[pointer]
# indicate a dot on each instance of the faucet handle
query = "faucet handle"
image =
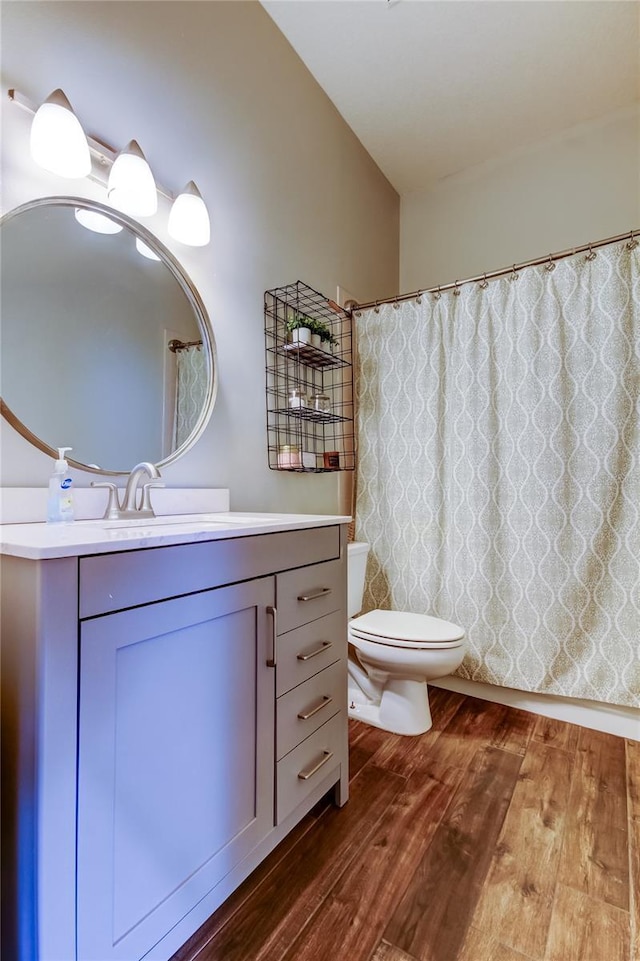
(146, 496)
(113, 504)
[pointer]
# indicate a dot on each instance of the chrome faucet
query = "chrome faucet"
(132, 504)
(131, 491)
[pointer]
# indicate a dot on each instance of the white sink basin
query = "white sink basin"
(187, 522)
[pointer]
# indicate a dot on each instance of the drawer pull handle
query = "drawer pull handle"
(314, 710)
(322, 592)
(325, 645)
(305, 775)
(271, 661)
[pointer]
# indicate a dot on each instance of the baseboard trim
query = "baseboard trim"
(610, 718)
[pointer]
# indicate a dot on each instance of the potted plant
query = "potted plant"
(298, 327)
(327, 339)
(316, 340)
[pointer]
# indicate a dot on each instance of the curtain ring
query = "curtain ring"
(419, 297)
(632, 243)
(484, 283)
(358, 313)
(396, 304)
(591, 255)
(376, 309)
(456, 290)
(550, 265)
(437, 294)
(514, 275)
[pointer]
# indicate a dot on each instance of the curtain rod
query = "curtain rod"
(482, 279)
(175, 344)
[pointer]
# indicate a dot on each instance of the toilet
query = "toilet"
(392, 655)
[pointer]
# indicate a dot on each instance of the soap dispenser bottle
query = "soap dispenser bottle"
(60, 501)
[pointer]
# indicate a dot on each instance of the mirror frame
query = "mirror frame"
(194, 298)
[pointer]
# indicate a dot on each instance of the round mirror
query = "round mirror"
(106, 344)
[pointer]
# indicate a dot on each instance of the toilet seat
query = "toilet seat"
(404, 629)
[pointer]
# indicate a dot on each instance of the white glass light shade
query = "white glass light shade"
(145, 250)
(189, 218)
(58, 142)
(131, 187)
(92, 220)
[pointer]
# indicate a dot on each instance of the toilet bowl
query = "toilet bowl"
(392, 655)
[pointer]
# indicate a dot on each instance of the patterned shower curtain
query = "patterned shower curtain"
(499, 471)
(191, 391)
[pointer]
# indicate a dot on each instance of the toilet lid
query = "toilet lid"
(403, 628)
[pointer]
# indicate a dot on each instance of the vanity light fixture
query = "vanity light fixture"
(131, 187)
(145, 250)
(92, 220)
(58, 142)
(189, 218)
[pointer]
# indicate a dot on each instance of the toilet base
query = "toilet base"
(403, 708)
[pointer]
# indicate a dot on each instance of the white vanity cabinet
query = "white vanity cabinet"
(175, 711)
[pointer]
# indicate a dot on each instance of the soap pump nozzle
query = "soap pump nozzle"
(61, 463)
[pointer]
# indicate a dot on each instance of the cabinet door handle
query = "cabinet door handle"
(324, 700)
(305, 775)
(271, 661)
(322, 592)
(324, 646)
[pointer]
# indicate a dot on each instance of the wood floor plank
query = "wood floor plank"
(464, 726)
(399, 753)
(586, 929)
(356, 730)
(432, 919)
(595, 856)
(517, 897)
(444, 704)
(364, 746)
(481, 946)
(633, 805)
(191, 948)
(388, 952)
(352, 919)
(266, 924)
(513, 731)
(556, 733)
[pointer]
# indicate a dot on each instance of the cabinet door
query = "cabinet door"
(176, 760)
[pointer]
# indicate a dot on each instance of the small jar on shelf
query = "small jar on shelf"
(297, 398)
(289, 457)
(321, 403)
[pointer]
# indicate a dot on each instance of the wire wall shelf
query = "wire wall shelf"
(309, 382)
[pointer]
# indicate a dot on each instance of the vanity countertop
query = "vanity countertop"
(40, 541)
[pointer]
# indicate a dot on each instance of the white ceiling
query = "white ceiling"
(432, 87)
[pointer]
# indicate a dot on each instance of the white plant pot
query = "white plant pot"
(301, 335)
(316, 340)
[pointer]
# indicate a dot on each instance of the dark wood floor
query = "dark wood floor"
(497, 836)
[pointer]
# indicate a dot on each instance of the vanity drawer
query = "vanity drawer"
(112, 582)
(306, 708)
(303, 768)
(307, 593)
(307, 650)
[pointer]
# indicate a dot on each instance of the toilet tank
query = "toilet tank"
(356, 567)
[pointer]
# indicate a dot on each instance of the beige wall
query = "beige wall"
(581, 186)
(214, 93)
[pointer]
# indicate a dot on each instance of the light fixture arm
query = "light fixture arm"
(103, 154)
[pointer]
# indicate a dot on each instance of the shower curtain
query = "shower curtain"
(191, 390)
(499, 471)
